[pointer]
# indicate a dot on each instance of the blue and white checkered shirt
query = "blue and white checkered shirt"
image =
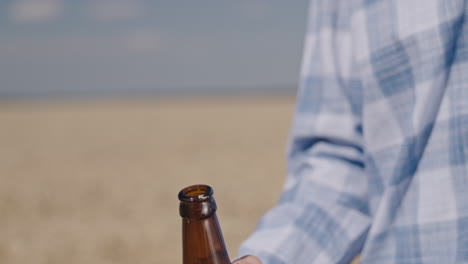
(378, 157)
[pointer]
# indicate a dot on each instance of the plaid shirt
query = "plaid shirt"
(378, 156)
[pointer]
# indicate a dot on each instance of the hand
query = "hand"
(247, 260)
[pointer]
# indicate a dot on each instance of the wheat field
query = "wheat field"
(97, 181)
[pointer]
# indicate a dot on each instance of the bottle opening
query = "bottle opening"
(196, 193)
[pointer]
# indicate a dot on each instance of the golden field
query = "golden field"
(97, 181)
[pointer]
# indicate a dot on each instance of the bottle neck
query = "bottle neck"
(203, 241)
(197, 210)
(196, 202)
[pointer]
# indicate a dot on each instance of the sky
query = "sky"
(65, 47)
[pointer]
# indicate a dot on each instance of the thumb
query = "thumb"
(247, 260)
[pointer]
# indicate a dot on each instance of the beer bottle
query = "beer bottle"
(202, 239)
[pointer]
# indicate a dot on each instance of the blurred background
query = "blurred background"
(109, 107)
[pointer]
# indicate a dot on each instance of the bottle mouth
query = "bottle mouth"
(196, 193)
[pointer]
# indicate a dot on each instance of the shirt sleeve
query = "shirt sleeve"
(323, 213)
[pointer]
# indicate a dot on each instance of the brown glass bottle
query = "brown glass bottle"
(202, 239)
